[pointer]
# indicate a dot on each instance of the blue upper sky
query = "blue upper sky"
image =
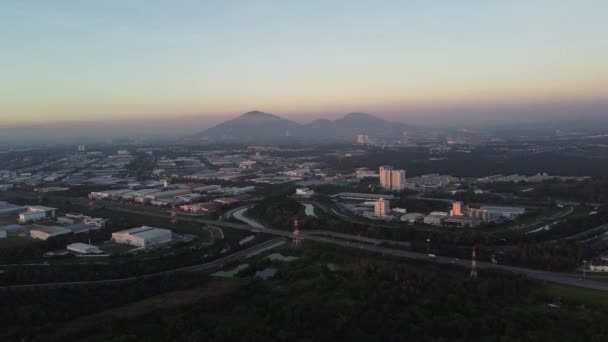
(87, 60)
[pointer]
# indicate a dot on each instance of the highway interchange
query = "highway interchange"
(328, 237)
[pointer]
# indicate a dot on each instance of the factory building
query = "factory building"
(304, 192)
(83, 248)
(412, 217)
(435, 218)
(143, 236)
(509, 213)
(108, 194)
(44, 233)
(36, 213)
(162, 195)
(362, 196)
(461, 221)
(7, 209)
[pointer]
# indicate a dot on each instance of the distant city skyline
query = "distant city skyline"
(103, 61)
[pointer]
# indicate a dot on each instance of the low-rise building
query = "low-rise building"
(598, 268)
(304, 192)
(44, 233)
(12, 228)
(362, 196)
(166, 194)
(5, 187)
(461, 221)
(36, 213)
(83, 248)
(200, 208)
(7, 209)
(143, 236)
(108, 194)
(412, 217)
(509, 213)
(436, 218)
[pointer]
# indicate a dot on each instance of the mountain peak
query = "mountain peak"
(358, 115)
(256, 113)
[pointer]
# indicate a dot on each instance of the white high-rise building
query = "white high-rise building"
(392, 179)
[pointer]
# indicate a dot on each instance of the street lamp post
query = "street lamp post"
(428, 242)
(584, 269)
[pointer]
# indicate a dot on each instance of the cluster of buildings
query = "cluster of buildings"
(431, 181)
(538, 178)
(66, 170)
(193, 198)
(463, 216)
(42, 223)
(178, 167)
(141, 238)
(211, 206)
(378, 206)
(371, 206)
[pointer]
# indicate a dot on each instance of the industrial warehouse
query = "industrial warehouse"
(143, 236)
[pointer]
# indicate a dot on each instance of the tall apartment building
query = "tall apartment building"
(392, 179)
(362, 139)
(458, 209)
(382, 207)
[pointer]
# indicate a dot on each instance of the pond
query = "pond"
(230, 273)
(266, 273)
(281, 257)
(309, 209)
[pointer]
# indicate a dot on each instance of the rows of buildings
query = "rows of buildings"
(42, 223)
(193, 198)
(378, 206)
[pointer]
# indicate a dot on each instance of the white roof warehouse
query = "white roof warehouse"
(143, 236)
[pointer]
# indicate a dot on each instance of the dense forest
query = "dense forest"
(361, 298)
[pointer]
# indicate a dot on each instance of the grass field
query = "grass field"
(14, 242)
(576, 295)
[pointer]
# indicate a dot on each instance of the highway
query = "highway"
(553, 277)
(371, 245)
(195, 268)
(328, 237)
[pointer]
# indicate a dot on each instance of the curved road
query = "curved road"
(345, 240)
(196, 268)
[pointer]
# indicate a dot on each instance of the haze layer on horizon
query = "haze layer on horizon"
(93, 61)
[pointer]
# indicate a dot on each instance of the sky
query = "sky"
(144, 59)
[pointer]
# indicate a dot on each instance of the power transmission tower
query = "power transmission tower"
(173, 215)
(474, 263)
(296, 234)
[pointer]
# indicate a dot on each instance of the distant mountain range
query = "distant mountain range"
(259, 126)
